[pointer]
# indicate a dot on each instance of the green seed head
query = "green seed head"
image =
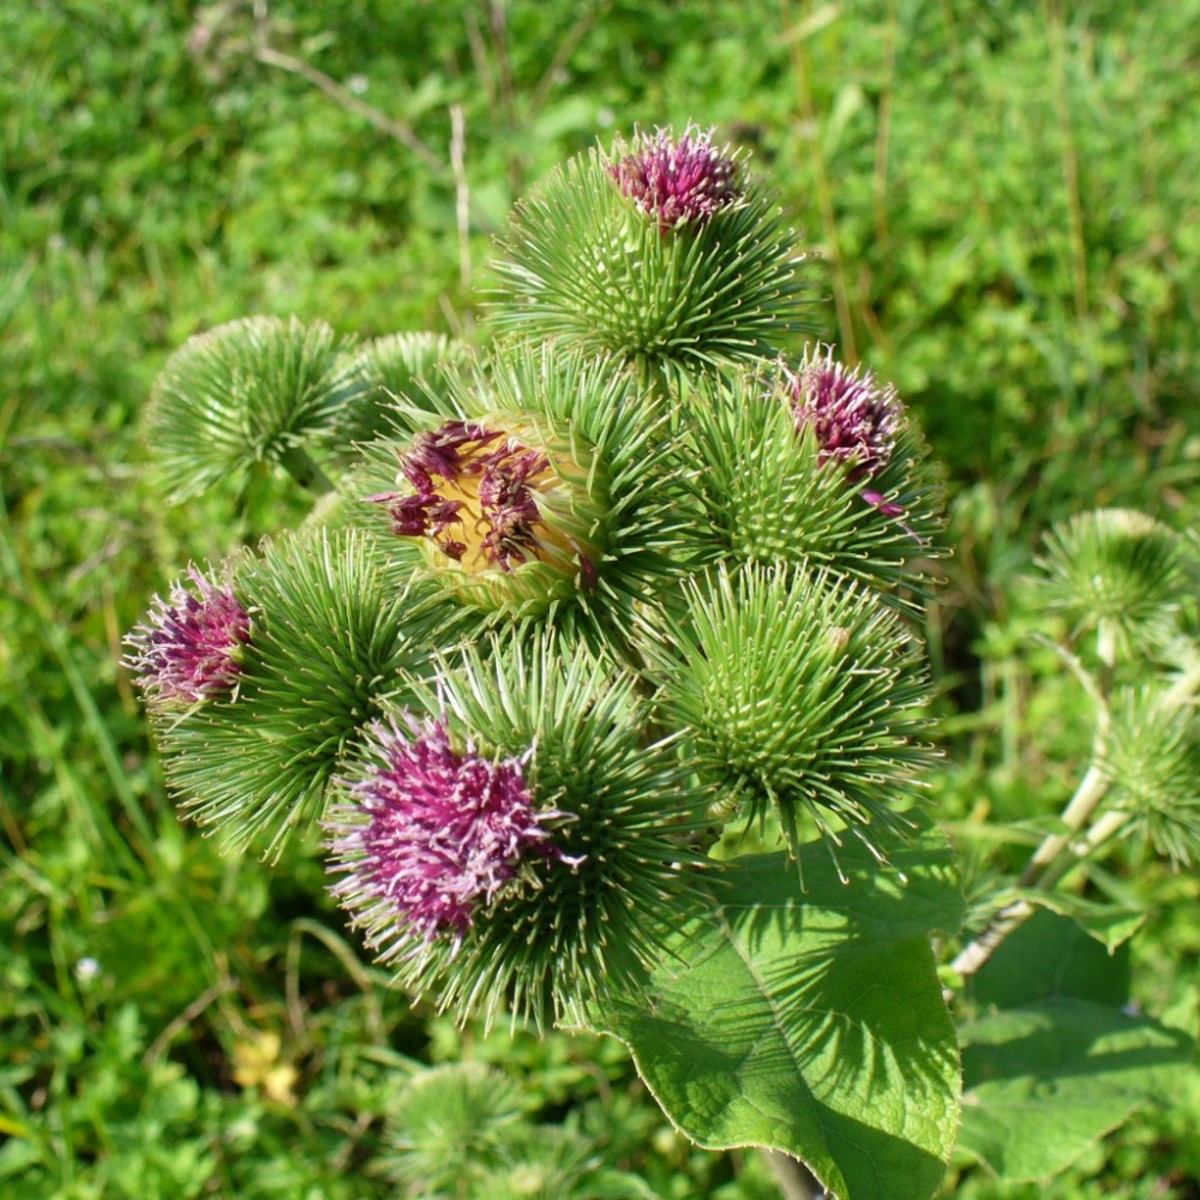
(797, 693)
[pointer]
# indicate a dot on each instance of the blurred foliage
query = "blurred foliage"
(1003, 199)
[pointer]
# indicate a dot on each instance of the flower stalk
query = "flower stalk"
(1060, 853)
(305, 470)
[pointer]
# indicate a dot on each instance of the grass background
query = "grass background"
(1004, 202)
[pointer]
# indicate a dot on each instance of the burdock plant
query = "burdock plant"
(597, 675)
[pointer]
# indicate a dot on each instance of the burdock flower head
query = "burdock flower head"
(853, 418)
(189, 648)
(431, 835)
(496, 500)
(799, 466)
(800, 693)
(677, 182)
(663, 251)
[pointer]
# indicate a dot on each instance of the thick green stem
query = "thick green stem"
(300, 465)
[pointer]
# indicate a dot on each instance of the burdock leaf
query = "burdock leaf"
(1065, 1059)
(1110, 924)
(812, 1021)
(1045, 1082)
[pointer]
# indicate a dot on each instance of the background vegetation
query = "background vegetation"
(1003, 199)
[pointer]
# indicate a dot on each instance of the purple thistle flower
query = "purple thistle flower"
(433, 834)
(508, 505)
(189, 648)
(471, 497)
(438, 452)
(674, 182)
(853, 418)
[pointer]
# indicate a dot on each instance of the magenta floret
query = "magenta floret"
(189, 647)
(501, 478)
(853, 418)
(678, 181)
(432, 835)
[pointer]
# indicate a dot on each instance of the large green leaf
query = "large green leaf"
(1064, 1060)
(1048, 957)
(1044, 1082)
(812, 1021)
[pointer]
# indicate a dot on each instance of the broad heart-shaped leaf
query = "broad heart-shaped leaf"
(1043, 1083)
(812, 1021)
(1062, 1062)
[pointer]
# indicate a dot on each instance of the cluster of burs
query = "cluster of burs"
(571, 615)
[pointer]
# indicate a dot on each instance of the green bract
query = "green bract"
(447, 1119)
(460, 1129)
(255, 391)
(584, 263)
(767, 496)
(1152, 756)
(796, 693)
(330, 635)
(586, 921)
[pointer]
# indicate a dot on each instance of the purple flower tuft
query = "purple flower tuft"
(440, 452)
(854, 419)
(432, 834)
(674, 182)
(189, 648)
(471, 495)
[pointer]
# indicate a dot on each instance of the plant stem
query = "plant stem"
(1091, 790)
(401, 131)
(462, 210)
(1093, 787)
(1070, 161)
(1105, 828)
(811, 132)
(1053, 859)
(977, 952)
(301, 466)
(795, 1180)
(1059, 853)
(1045, 866)
(1183, 691)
